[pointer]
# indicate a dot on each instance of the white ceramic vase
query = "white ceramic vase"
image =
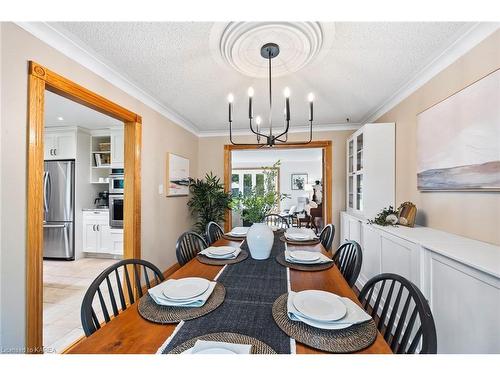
(260, 240)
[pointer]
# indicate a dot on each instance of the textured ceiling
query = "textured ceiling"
(176, 63)
(74, 114)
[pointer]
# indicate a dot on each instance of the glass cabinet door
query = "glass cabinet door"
(359, 192)
(351, 192)
(351, 156)
(359, 152)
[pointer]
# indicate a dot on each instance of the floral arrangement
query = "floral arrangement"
(388, 216)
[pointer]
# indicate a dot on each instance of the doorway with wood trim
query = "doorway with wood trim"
(40, 81)
(326, 173)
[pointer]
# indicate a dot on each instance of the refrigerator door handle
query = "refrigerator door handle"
(45, 187)
(49, 190)
(54, 225)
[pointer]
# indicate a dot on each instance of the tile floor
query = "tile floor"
(64, 285)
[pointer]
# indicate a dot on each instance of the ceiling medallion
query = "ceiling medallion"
(268, 52)
(237, 45)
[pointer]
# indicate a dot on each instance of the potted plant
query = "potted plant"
(260, 201)
(208, 201)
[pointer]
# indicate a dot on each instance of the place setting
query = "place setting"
(300, 236)
(223, 343)
(181, 299)
(324, 321)
(236, 234)
(221, 255)
(303, 260)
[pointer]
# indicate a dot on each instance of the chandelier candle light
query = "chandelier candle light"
(270, 51)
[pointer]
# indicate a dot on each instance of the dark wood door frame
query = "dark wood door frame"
(326, 146)
(40, 79)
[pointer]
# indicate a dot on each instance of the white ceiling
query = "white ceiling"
(267, 155)
(74, 114)
(361, 65)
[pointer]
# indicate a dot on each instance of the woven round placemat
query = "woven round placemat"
(233, 238)
(155, 313)
(258, 347)
(220, 262)
(303, 243)
(347, 340)
(280, 258)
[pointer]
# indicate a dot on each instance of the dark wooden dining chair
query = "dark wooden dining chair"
(349, 259)
(109, 289)
(276, 221)
(326, 236)
(214, 232)
(401, 312)
(188, 245)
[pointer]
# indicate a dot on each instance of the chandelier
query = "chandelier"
(270, 51)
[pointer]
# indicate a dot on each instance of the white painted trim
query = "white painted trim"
(468, 40)
(84, 55)
(295, 129)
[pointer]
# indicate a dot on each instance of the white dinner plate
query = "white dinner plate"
(304, 256)
(239, 231)
(187, 288)
(237, 235)
(324, 325)
(298, 236)
(215, 350)
(319, 305)
(221, 250)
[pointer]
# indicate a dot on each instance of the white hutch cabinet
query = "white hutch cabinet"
(370, 169)
(460, 278)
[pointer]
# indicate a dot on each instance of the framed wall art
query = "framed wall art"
(299, 181)
(177, 175)
(458, 139)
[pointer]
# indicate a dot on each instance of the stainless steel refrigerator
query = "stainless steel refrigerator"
(59, 215)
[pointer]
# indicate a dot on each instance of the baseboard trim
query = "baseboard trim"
(170, 270)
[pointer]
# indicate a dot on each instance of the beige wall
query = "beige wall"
(163, 219)
(470, 214)
(211, 158)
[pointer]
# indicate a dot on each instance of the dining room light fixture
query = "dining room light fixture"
(270, 51)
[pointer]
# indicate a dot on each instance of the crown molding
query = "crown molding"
(295, 129)
(468, 40)
(84, 56)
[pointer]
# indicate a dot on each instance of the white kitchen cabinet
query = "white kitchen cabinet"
(117, 148)
(370, 180)
(90, 241)
(59, 145)
(98, 236)
(116, 241)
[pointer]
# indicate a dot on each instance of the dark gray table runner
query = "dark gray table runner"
(252, 286)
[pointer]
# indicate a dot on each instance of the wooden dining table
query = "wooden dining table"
(129, 333)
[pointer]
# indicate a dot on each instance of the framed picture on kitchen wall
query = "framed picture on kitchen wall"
(458, 139)
(299, 181)
(177, 175)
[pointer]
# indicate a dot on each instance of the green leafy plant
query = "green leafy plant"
(208, 201)
(385, 217)
(261, 200)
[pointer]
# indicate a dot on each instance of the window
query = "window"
(247, 183)
(235, 184)
(244, 180)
